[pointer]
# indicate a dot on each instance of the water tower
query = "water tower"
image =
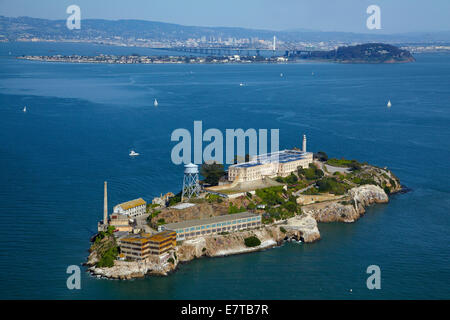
(190, 181)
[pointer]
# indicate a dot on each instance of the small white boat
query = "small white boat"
(155, 103)
(133, 153)
(389, 104)
(25, 109)
(241, 84)
(281, 74)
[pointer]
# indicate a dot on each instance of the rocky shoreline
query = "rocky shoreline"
(369, 185)
(301, 227)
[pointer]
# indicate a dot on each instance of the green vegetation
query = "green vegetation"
(233, 209)
(150, 206)
(343, 163)
(311, 191)
(171, 260)
(311, 173)
(212, 172)
(282, 229)
(291, 179)
(251, 206)
(108, 257)
(331, 185)
(161, 221)
(321, 156)
(106, 248)
(361, 181)
(271, 196)
(102, 234)
(267, 220)
(176, 199)
(214, 198)
(252, 241)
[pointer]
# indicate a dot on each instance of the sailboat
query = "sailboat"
(389, 104)
(281, 74)
(133, 153)
(155, 103)
(25, 109)
(241, 84)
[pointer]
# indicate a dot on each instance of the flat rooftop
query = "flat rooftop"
(198, 222)
(282, 156)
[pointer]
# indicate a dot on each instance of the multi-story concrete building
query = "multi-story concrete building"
(133, 208)
(201, 227)
(274, 164)
(142, 246)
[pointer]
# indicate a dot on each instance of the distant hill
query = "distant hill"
(20, 28)
(364, 53)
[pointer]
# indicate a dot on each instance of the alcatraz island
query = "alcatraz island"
(255, 204)
(363, 53)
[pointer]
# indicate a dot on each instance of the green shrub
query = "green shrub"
(311, 173)
(171, 260)
(176, 199)
(321, 156)
(212, 172)
(311, 191)
(331, 185)
(233, 209)
(108, 257)
(282, 229)
(271, 195)
(352, 164)
(252, 241)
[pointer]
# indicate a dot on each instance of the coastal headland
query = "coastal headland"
(284, 208)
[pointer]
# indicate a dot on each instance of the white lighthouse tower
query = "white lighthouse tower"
(190, 181)
(304, 143)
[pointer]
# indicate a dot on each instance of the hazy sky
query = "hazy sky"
(327, 15)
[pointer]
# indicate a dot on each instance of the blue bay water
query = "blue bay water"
(83, 120)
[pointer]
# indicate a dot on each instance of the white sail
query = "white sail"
(25, 109)
(389, 104)
(155, 103)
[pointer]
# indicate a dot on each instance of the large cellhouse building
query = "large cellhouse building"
(271, 165)
(274, 164)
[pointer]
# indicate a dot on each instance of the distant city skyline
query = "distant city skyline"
(398, 16)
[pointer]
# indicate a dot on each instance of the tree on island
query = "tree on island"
(212, 172)
(321, 156)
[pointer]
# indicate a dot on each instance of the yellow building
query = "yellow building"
(140, 247)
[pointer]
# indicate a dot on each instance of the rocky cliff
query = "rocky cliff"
(349, 210)
(300, 227)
